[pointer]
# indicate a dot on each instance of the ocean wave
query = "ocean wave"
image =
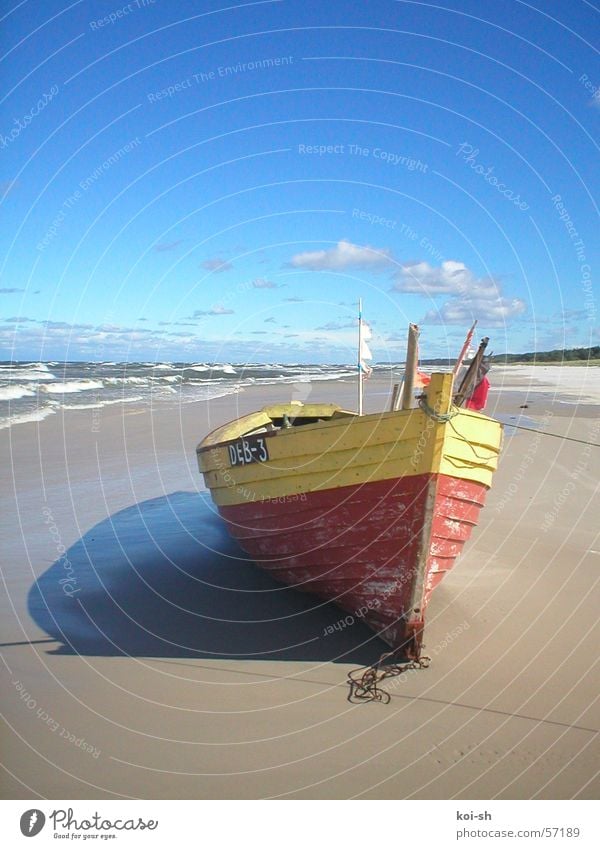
(125, 381)
(72, 386)
(100, 404)
(308, 377)
(16, 391)
(30, 392)
(226, 368)
(216, 392)
(158, 391)
(35, 366)
(25, 418)
(208, 382)
(18, 374)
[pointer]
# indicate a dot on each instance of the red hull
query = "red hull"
(377, 550)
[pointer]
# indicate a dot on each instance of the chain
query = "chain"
(365, 682)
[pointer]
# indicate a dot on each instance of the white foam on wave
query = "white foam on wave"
(125, 381)
(300, 378)
(226, 368)
(72, 386)
(157, 391)
(100, 404)
(207, 382)
(26, 418)
(22, 374)
(36, 366)
(216, 392)
(16, 391)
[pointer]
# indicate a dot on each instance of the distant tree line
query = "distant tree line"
(559, 355)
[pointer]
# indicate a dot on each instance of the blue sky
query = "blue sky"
(222, 181)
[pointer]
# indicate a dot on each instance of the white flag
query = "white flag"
(365, 352)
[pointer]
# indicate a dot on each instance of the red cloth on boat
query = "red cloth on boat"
(478, 399)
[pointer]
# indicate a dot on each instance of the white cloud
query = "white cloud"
(263, 283)
(216, 264)
(463, 311)
(343, 256)
(216, 310)
(167, 246)
(450, 278)
(339, 325)
(471, 296)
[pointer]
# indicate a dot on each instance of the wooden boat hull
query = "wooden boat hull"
(368, 512)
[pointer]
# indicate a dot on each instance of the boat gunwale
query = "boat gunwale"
(331, 422)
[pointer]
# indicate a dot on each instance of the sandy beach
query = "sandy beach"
(144, 657)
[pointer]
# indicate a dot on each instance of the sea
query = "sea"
(32, 391)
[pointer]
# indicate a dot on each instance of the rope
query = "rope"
(472, 447)
(557, 435)
(365, 682)
(446, 417)
(438, 417)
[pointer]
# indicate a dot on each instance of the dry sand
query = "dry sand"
(153, 661)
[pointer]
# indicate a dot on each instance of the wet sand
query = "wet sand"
(144, 657)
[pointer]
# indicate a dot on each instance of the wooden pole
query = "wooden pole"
(411, 366)
(468, 380)
(360, 374)
(465, 349)
(396, 393)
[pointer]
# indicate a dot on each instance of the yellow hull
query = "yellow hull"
(343, 449)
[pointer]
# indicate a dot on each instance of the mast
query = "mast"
(469, 381)
(465, 349)
(360, 373)
(411, 366)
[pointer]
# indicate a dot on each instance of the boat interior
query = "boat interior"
(276, 417)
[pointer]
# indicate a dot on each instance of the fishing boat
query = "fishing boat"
(369, 511)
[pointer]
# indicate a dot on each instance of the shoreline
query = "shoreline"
(190, 674)
(578, 384)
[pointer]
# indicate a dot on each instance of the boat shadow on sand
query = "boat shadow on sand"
(162, 578)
